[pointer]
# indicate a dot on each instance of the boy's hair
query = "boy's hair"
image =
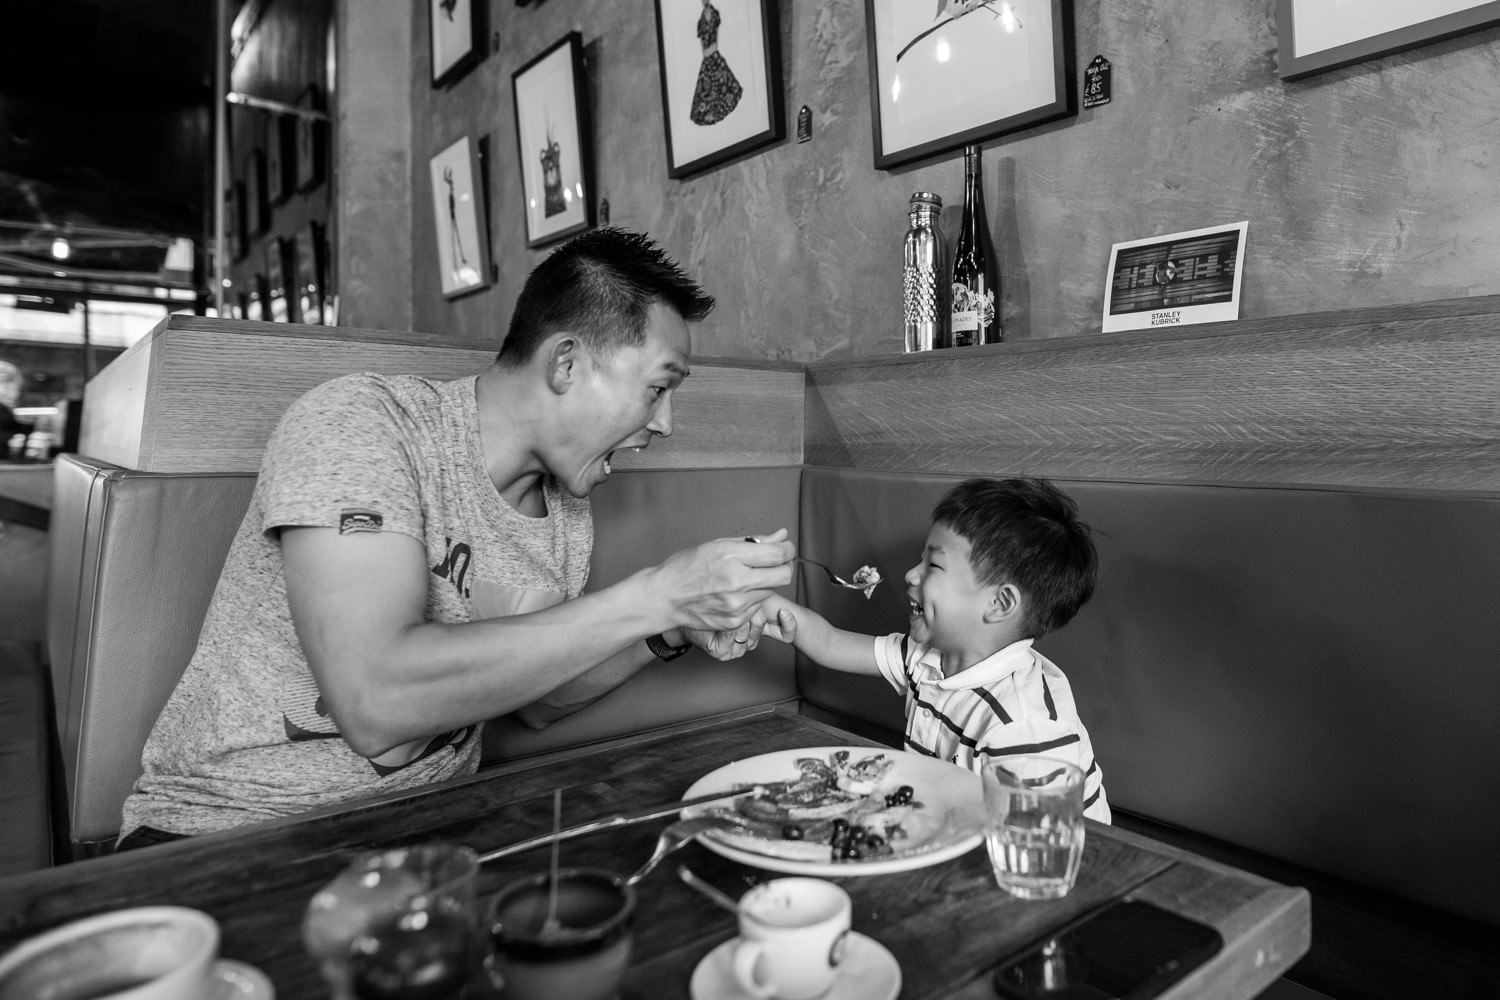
(1026, 532)
(599, 285)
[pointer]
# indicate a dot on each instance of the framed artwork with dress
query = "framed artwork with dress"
(459, 212)
(965, 71)
(553, 139)
(720, 80)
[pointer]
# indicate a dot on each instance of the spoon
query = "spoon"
(866, 578)
(712, 893)
(551, 926)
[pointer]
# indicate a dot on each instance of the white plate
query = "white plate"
(952, 799)
(231, 980)
(869, 972)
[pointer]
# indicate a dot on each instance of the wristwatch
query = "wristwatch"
(663, 649)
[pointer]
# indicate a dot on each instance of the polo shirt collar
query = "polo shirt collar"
(992, 668)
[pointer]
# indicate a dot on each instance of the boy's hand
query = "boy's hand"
(781, 621)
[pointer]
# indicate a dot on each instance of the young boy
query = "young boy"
(1006, 561)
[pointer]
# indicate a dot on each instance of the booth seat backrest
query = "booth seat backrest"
(135, 557)
(1308, 673)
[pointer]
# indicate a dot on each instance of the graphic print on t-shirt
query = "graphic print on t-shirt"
(455, 565)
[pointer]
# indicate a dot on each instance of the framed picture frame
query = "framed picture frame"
(458, 211)
(277, 307)
(970, 73)
(456, 38)
(308, 268)
(312, 141)
(554, 139)
(721, 91)
(1318, 35)
(1175, 280)
(279, 159)
(257, 210)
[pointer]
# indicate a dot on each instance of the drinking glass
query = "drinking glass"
(1033, 824)
(397, 923)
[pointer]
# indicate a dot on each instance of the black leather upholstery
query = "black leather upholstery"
(1307, 673)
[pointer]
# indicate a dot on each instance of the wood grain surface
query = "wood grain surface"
(202, 395)
(946, 924)
(1399, 396)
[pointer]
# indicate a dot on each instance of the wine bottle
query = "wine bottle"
(924, 268)
(976, 288)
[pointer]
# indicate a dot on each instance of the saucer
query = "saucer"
(869, 972)
(231, 980)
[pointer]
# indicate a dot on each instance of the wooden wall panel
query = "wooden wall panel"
(202, 395)
(1403, 396)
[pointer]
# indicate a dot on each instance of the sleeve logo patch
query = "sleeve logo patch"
(351, 521)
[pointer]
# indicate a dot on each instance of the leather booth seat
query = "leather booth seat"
(1306, 673)
(135, 557)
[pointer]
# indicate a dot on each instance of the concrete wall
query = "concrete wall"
(1369, 185)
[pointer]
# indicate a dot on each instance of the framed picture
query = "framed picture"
(973, 71)
(308, 269)
(276, 309)
(720, 80)
(279, 157)
(234, 222)
(1175, 280)
(312, 141)
(257, 210)
(553, 133)
(1318, 35)
(459, 213)
(456, 38)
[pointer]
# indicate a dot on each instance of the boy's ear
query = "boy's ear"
(1005, 602)
(562, 362)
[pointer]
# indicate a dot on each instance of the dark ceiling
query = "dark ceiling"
(106, 134)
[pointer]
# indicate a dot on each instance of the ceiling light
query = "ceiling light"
(60, 248)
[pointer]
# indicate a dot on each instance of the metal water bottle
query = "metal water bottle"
(924, 276)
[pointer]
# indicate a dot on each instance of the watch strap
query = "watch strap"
(663, 649)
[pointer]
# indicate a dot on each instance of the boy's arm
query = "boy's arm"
(810, 632)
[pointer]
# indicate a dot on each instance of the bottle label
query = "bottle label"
(972, 309)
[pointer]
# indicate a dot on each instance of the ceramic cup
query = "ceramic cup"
(145, 953)
(792, 937)
(583, 956)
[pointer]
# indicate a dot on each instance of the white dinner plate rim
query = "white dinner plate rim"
(778, 766)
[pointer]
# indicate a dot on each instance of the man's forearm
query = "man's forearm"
(587, 688)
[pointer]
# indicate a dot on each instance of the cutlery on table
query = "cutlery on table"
(677, 836)
(715, 895)
(616, 821)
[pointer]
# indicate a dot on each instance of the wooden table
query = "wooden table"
(946, 924)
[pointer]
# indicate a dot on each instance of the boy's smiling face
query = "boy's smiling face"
(948, 604)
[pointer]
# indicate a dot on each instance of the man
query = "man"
(413, 559)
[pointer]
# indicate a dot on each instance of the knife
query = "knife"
(616, 821)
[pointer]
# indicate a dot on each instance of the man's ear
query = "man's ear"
(1005, 601)
(561, 361)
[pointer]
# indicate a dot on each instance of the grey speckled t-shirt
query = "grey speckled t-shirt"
(244, 735)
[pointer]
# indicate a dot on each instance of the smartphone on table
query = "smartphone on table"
(1128, 950)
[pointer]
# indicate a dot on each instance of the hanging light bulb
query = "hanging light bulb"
(60, 248)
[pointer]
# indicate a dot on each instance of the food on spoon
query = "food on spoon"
(867, 578)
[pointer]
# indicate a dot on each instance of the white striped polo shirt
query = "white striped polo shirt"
(1015, 701)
